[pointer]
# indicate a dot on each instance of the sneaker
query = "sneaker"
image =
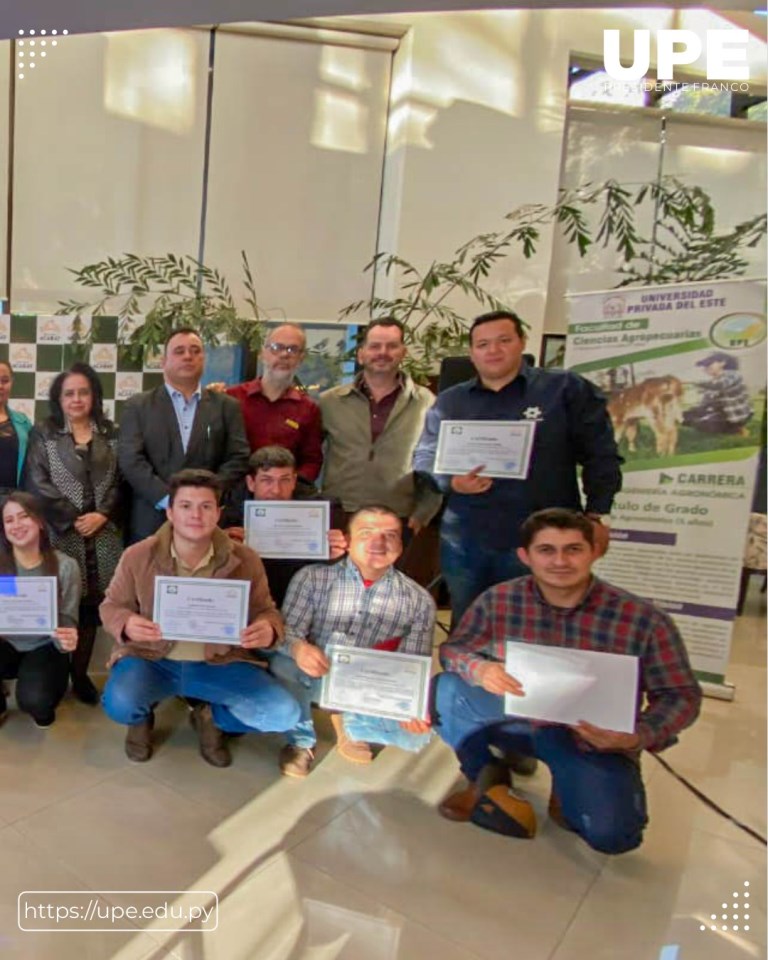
(213, 742)
(138, 740)
(296, 761)
(356, 751)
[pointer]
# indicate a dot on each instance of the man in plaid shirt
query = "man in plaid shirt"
(726, 406)
(597, 789)
(363, 601)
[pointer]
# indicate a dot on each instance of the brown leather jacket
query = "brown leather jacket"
(132, 590)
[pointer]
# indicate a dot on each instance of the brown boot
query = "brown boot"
(356, 751)
(458, 806)
(213, 745)
(138, 740)
(296, 761)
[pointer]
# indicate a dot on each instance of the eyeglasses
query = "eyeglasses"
(291, 349)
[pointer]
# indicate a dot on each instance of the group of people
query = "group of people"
(516, 555)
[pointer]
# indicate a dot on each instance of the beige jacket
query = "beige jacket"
(358, 472)
(132, 590)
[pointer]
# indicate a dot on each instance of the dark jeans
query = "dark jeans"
(41, 678)
(601, 794)
(469, 569)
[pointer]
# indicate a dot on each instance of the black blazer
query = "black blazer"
(150, 449)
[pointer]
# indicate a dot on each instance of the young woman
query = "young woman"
(14, 430)
(40, 664)
(72, 469)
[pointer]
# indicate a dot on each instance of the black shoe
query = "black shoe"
(85, 691)
(45, 721)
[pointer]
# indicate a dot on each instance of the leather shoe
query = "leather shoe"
(85, 691)
(458, 806)
(356, 751)
(138, 740)
(213, 745)
(296, 761)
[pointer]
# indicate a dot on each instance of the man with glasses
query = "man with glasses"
(362, 601)
(275, 410)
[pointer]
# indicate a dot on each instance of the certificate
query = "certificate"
(288, 529)
(378, 683)
(202, 609)
(564, 686)
(503, 446)
(28, 606)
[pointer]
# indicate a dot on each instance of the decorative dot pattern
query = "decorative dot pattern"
(735, 906)
(29, 63)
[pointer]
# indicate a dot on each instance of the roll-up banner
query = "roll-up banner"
(684, 370)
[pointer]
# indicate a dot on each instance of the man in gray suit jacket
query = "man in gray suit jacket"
(175, 426)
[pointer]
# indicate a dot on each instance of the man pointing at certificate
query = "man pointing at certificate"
(358, 641)
(597, 789)
(191, 615)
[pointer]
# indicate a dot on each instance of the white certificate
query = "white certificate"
(28, 606)
(379, 683)
(564, 686)
(288, 529)
(503, 446)
(201, 609)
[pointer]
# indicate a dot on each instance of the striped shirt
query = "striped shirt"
(608, 620)
(329, 603)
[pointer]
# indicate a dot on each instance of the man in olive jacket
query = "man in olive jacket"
(235, 693)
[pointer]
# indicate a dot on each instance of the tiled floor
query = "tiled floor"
(355, 864)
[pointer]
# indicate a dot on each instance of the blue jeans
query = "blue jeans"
(601, 794)
(243, 698)
(357, 726)
(469, 569)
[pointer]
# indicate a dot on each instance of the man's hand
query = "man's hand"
(472, 482)
(87, 524)
(257, 635)
(495, 679)
(416, 726)
(337, 543)
(236, 533)
(611, 741)
(416, 525)
(67, 637)
(310, 659)
(140, 630)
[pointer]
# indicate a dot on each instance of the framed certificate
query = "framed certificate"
(201, 609)
(288, 529)
(378, 683)
(28, 606)
(503, 446)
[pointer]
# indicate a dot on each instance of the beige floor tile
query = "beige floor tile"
(661, 896)
(29, 867)
(478, 889)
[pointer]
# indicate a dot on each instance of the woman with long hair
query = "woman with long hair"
(72, 469)
(40, 664)
(14, 431)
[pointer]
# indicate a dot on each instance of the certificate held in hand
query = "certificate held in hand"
(502, 447)
(201, 609)
(377, 683)
(28, 606)
(288, 529)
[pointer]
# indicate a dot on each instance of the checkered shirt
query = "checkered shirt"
(607, 619)
(329, 603)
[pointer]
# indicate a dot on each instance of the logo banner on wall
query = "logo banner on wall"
(683, 367)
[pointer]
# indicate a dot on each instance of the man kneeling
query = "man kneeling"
(597, 789)
(362, 601)
(238, 695)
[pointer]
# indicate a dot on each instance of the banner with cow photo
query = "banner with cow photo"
(683, 367)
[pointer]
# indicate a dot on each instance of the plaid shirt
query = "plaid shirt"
(329, 603)
(607, 619)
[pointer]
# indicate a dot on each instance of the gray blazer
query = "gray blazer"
(150, 449)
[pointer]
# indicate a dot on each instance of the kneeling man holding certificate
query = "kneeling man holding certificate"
(191, 615)
(359, 642)
(567, 668)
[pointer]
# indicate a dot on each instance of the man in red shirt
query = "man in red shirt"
(278, 413)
